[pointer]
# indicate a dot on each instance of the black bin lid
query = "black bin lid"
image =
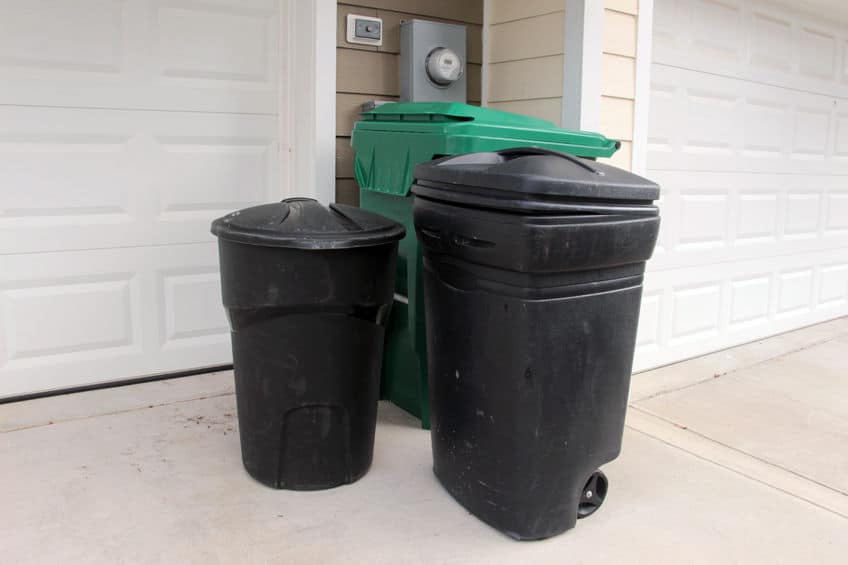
(535, 180)
(304, 223)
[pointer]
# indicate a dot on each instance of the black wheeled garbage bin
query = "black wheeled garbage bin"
(307, 289)
(533, 265)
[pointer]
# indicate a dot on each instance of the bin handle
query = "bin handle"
(297, 199)
(520, 151)
(350, 222)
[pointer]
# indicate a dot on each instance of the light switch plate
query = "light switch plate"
(365, 30)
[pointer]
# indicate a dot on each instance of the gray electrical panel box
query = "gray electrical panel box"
(432, 62)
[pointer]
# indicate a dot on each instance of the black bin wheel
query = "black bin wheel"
(593, 495)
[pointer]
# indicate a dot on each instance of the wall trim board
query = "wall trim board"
(583, 49)
(484, 71)
(641, 109)
(307, 113)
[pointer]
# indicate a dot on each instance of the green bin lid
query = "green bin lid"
(387, 151)
(451, 111)
(412, 115)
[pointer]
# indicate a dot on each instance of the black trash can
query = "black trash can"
(307, 289)
(533, 265)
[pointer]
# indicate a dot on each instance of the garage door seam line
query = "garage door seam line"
(807, 252)
(752, 81)
(123, 109)
(118, 412)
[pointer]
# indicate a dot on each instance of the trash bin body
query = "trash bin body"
(533, 268)
(389, 141)
(307, 290)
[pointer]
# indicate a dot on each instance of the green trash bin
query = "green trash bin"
(388, 142)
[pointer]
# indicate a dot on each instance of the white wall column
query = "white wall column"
(308, 98)
(641, 106)
(583, 49)
(484, 68)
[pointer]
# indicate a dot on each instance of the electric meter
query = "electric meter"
(444, 66)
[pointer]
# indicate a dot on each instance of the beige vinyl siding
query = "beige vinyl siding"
(622, 37)
(529, 38)
(624, 6)
(617, 118)
(525, 61)
(618, 76)
(365, 72)
(459, 11)
(501, 11)
(545, 108)
(361, 72)
(529, 79)
(525, 64)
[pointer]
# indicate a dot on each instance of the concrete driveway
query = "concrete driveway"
(736, 457)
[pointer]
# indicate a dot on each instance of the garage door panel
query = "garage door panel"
(795, 292)
(691, 310)
(215, 43)
(141, 54)
(718, 217)
(79, 299)
(196, 175)
(748, 138)
(770, 41)
(707, 123)
(802, 217)
(840, 134)
(750, 298)
(690, 25)
(753, 178)
(189, 315)
(695, 311)
(126, 127)
(80, 176)
(87, 179)
(757, 217)
(837, 213)
(759, 41)
(766, 127)
(817, 52)
(650, 320)
(833, 284)
(83, 36)
(146, 310)
(186, 316)
(710, 15)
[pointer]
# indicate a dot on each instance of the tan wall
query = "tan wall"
(525, 40)
(525, 64)
(365, 72)
(618, 76)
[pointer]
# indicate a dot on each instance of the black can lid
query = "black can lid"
(304, 223)
(533, 179)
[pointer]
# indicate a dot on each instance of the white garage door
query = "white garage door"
(125, 127)
(748, 137)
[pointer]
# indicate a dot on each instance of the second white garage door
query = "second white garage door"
(126, 126)
(748, 137)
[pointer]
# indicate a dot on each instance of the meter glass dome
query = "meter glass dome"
(444, 66)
